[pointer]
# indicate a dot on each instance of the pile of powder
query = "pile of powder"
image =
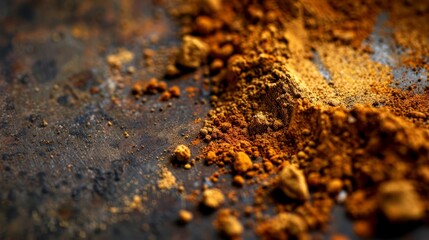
(291, 130)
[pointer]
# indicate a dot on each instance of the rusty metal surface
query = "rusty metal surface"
(59, 181)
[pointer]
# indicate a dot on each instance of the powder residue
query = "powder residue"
(294, 87)
(167, 179)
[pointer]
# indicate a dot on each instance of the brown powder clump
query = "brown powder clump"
(185, 216)
(334, 186)
(182, 153)
(154, 86)
(242, 162)
(228, 225)
(121, 57)
(213, 198)
(174, 91)
(238, 181)
(193, 52)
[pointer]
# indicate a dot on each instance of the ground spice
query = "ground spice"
(294, 87)
(167, 179)
(135, 204)
(121, 57)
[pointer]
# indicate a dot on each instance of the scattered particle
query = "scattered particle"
(175, 91)
(126, 134)
(185, 216)
(238, 180)
(44, 123)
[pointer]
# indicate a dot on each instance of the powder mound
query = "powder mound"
(294, 86)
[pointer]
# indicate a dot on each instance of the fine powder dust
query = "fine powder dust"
(343, 130)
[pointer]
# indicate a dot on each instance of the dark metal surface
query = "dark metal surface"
(60, 180)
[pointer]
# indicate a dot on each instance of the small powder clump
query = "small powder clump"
(228, 225)
(185, 216)
(174, 91)
(121, 57)
(193, 52)
(154, 86)
(242, 162)
(135, 204)
(182, 153)
(167, 179)
(213, 198)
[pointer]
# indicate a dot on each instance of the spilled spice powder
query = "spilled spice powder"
(167, 179)
(302, 110)
(121, 57)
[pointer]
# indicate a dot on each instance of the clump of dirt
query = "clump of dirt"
(297, 133)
